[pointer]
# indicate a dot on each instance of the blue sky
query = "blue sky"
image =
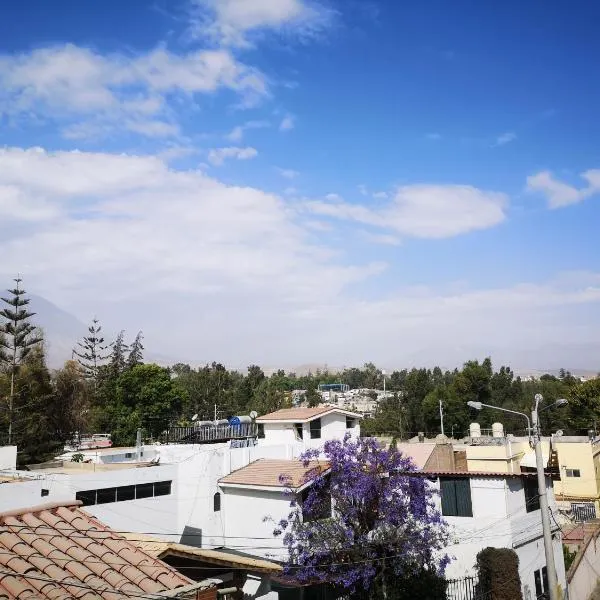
(405, 182)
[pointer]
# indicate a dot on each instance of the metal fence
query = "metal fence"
(463, 589)
(583, 511)
(210, 434)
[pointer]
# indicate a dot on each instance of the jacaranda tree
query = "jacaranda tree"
(366, 525)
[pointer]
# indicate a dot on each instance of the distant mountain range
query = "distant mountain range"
(62, 330)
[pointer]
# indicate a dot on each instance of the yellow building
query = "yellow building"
(578, 489)
(576, 458)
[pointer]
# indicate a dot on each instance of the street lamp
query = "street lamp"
(535, 441)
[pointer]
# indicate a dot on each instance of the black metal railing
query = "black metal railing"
(210, 434)
(465, 588)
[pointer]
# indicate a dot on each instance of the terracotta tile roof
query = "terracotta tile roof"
(580, 531)
(58, 551)
(300, 415)
(267, 472)
(162, 549)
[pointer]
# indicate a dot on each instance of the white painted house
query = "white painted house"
(499, 510)
(309, 426)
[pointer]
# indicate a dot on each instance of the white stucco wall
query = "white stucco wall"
(333, 426)
(249, 518)
(8, 458)
(500, 520)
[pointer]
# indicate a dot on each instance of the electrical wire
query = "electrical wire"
(83, 586)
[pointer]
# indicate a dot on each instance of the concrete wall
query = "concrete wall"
(8, 458)
(574, 455)
(499, 459)
(583, 574)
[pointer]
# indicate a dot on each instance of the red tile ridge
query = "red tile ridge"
(39, 508)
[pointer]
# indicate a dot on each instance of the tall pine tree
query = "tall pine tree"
(117, 361)
(91, 352)
(17, 338)
(136, 352)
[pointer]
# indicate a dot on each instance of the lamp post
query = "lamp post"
(535, 441)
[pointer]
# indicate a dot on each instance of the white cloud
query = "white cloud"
(381, 238)
(362, 189)
(288, 173)
(237, 133)
(380, 195)
(505, 138)
(425, 211)
(217, 156)
(153, 128)
(559, 194)
(287, 123)
(333, 198)
(290, 191)
(126, 236)
(233, 22)
(83, 88)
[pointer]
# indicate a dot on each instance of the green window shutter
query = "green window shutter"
(448, 493)
(463, 497)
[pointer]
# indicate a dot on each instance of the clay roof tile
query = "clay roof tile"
(66, 553)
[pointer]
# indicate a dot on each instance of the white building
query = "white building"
(216, 495)
(309, 426)
(499, 510)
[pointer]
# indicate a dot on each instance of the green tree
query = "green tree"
(17, 338)
(117, 359)
(312, 397)
(41, 424)
(91, 352)
(146, 397)
(584, 405)
(136, 351)
(417, 385)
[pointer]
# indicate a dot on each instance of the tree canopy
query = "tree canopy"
(384, 526)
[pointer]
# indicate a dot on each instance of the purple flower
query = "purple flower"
(366, 517)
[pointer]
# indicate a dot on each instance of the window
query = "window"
(323, 510)
(573, 472)
(162, 488)
(129, 455)
(124, 492)
(532, 497)
(45, 492)
(298, 428)
(88, 497)
(106, 495)
(456, 497)
(315, 429)
(217, 502)
(541, 582)
(144, 490)
(261, 431)
(350, 422)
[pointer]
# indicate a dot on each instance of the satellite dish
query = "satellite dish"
(559, 433)
(253, 415)
(195, 417)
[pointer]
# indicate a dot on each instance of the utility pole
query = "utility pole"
(546, 528)
(535, 439)
(441, 417)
